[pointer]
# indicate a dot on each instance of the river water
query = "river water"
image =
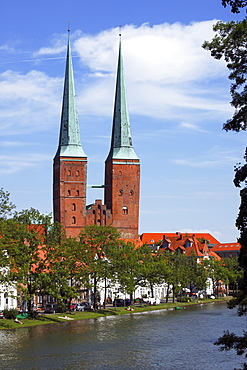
(174, 339)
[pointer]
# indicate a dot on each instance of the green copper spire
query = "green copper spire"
(121, 142)
(69, 140)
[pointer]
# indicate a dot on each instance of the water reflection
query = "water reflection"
(159, 340)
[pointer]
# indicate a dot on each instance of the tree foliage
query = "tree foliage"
(98, 244)
(236, 5)
(6, 207)
(230, 43)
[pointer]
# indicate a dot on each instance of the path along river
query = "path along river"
(176, 339)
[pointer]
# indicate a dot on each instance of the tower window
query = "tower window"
(120, 192)
(77, 173)
(69, 192)
(131, 192)
(73, 206)
(125, 210)
(69, 173)
(73, 220)
(77, 192)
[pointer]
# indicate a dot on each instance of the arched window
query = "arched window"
(131, 192)
(73, 220)
(69, 192)
(69, 173)
(77, 173)
(73, 206)
(125, 210)
(77, 193)
(120, 192)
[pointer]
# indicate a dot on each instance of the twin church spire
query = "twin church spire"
(122, 167)
(69, 140)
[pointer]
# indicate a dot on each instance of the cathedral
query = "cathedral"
(120, 207)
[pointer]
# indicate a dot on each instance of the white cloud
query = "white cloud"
(167, 53)
(212, 158)
(17, 163)
(168, 76)
(165, 67)
(191, 126)
(28, 99)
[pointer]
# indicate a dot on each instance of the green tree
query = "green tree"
(153, 267)
(217, 272)
(234, 271)
(236, 5)
(25, 261)
(230, 43)
(27, 252)
(6, 207)
(97, 244)
(127, 263)
(177, 273)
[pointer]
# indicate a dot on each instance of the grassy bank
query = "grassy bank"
(43, 319)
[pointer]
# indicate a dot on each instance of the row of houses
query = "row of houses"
(201, 245)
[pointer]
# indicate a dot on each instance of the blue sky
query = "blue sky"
(178, 99)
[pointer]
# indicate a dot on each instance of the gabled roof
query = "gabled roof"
(150, 238)
(190, 246)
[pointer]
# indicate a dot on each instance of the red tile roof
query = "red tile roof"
(151, 238)
(228, 247)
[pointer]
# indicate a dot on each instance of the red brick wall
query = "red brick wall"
(122, 193)
(69, 193)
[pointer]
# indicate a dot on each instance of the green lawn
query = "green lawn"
(43, 319)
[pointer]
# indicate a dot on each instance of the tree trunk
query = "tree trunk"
(105, 295)
(167, 294)
(173, 293)
(95, 293)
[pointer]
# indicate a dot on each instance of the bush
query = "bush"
(184, 299)
(10, 313)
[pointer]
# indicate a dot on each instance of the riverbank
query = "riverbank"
(44, 319)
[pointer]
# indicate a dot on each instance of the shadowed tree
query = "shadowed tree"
(230, 43)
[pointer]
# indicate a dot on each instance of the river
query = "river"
(164, 339)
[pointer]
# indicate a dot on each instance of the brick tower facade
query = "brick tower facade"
(122, 168)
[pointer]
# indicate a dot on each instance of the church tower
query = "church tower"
(70, 162)
(122, 166)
